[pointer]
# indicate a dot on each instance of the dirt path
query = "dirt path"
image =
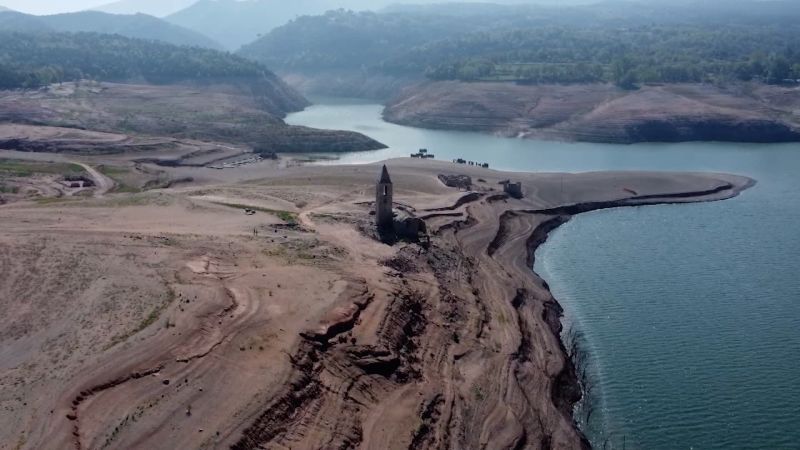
(103, 183)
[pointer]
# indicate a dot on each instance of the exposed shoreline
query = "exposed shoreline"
(566, 388)
(292, 325)
(602, 113)
(568, 383)
(114, 118)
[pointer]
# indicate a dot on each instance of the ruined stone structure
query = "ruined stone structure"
(393, 226)
(407, 226)
(456, 181)
(512, 189)
(384, 216)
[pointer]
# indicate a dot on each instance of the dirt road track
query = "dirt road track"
(104, 184)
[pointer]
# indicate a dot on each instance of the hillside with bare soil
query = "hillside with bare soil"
(604, 113)
(135, 117)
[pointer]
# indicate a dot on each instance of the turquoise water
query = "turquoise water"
(691, 313)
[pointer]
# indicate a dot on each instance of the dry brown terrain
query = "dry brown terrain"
(170, 319)
(604, 113)
(128, 117)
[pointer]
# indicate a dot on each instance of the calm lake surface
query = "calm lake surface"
(691, 313)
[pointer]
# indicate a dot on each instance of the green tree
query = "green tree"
(778, 69)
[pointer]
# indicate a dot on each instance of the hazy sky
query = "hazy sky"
(50, 6)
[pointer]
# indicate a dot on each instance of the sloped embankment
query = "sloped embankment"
(231, 111)
(604, 113)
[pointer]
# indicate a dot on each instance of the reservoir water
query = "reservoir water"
(691, 313)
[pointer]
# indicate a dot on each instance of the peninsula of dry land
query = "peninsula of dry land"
(171, 319)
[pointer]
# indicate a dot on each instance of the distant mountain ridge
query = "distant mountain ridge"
(625, 43)
(16, 21)
(138, 26)
(157, 8)
(235, 23)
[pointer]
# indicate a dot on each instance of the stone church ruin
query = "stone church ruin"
(393, 226)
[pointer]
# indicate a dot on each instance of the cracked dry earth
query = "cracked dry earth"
(166, 320)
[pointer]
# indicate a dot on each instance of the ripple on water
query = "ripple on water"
(692, 313)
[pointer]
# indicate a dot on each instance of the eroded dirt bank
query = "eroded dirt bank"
(171, 319)
(605, 113)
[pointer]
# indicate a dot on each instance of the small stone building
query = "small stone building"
(512, 189)
(407, 226)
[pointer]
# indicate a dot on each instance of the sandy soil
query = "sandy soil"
(171, 319)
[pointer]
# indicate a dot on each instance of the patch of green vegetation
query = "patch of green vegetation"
(113, 171)
(20, 168)
(5, 189)
(305, 159)
(118, 174)
(14, 169)
(276, 252)
(286, 216)
(165, 183)
(479, 395)
(40, 59)
(135, 199)
(304, 252)
(126, 189)
(150, 319)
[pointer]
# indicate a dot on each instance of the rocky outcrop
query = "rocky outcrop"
(604, 113)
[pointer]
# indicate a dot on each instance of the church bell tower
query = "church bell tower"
(383, 201)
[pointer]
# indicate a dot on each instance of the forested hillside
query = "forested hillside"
(345, 39)
(625, 44)
(671, 54)
(31, 60)
(139, 26)
(235, 23)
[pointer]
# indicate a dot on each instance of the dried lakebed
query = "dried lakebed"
(200, 334)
